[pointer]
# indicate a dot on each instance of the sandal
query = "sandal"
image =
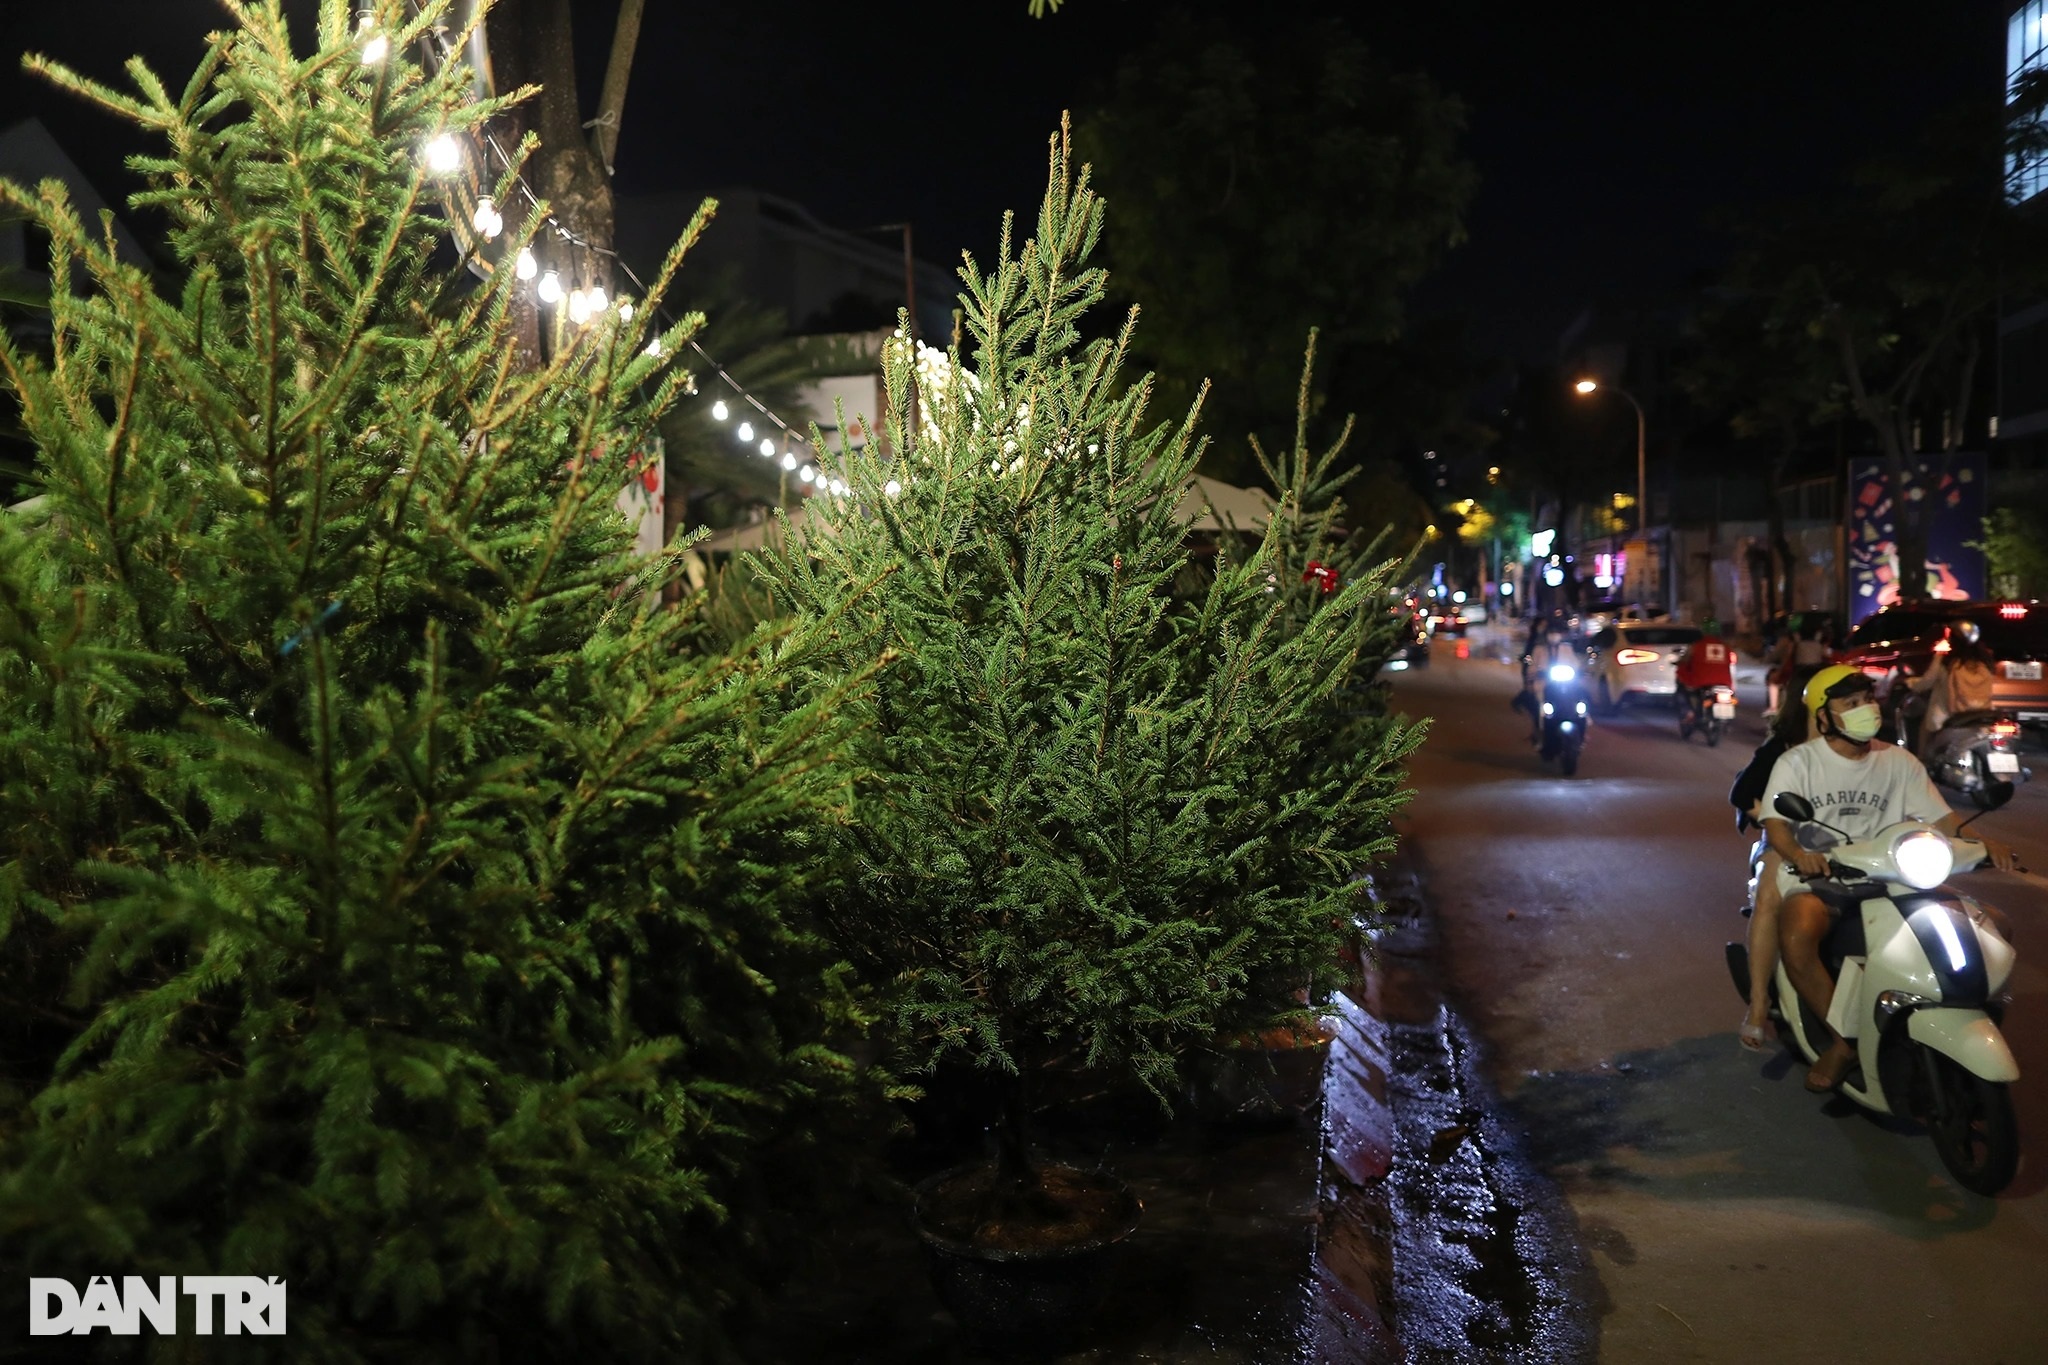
(1754, 1037)
(1822, 1078)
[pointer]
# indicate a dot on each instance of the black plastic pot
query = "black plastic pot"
(1024, 1302)
(1255, 1084)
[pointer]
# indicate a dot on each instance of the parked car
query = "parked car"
(1637, 659)
(1898, 644)
(1445, 619)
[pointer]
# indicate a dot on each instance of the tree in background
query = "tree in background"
(1772, 387)
(1894, 285)
(390, 900)
(1262, 190)
(1104, 821)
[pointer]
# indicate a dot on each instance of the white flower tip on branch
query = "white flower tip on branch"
(891, 489)
(654, 347)
(625, 310)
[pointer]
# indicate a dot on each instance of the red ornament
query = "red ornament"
(1321, 574)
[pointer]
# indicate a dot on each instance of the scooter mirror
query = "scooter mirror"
(1793, 806)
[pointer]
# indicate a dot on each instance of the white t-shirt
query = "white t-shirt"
(1858, 796)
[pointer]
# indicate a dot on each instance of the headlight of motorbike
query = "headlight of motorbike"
(1562, 673)
(1923, 858)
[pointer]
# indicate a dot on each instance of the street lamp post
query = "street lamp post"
(1585, 386)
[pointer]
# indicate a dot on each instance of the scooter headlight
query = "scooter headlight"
(1923, 858)
(1562, 673)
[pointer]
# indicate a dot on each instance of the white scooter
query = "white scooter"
(1919, 981)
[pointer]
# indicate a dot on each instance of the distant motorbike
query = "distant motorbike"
(1920, 974)
(1709, 710)
(1975, 754)
(1564, 716)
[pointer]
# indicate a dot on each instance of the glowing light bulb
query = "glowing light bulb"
(839, 487)
(767, 446)
(444, 154)
(550, 288)
(525, 267)
(719, 411)
(891, 488)
(487, 220)
(625, 310)
(789, 462)
(746, 431)
(579, 307)
(597, 299)
(376, 47)
(807, 473)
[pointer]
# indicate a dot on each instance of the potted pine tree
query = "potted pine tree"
(1099, 823)
(392, 899)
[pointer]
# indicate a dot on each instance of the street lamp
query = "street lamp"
(1586, 386)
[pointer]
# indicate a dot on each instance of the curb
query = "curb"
(1353, 1268)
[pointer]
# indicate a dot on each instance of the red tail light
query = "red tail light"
(2012, 611)
(1636, 656)
(2006, 729)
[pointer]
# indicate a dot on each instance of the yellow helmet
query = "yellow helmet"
(1829, 682)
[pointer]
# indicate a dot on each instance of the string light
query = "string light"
(487, 220)
(579, 307)
(807, 473)
(444, 154)
(376, 47)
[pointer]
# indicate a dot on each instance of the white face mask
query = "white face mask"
(1860, 723)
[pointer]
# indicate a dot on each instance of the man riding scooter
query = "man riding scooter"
(1859, 787)
(1706, 676)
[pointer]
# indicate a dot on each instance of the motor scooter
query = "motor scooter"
(1564, 716)
(1974, 754)
(1709, 710)
(1920, 974)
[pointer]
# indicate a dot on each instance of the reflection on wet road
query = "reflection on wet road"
(1582, 921)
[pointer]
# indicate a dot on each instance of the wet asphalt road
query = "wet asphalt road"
(1729, 1215)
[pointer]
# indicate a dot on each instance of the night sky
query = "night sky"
(1608, 134)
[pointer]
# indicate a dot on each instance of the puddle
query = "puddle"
(1487, 1268)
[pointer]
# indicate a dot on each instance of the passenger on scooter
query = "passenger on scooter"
(1747, 796)
(1707, 662)
(1961, 680)
(1859, 787)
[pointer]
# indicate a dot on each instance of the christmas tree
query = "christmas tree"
(391, 899)
(1105, 820)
